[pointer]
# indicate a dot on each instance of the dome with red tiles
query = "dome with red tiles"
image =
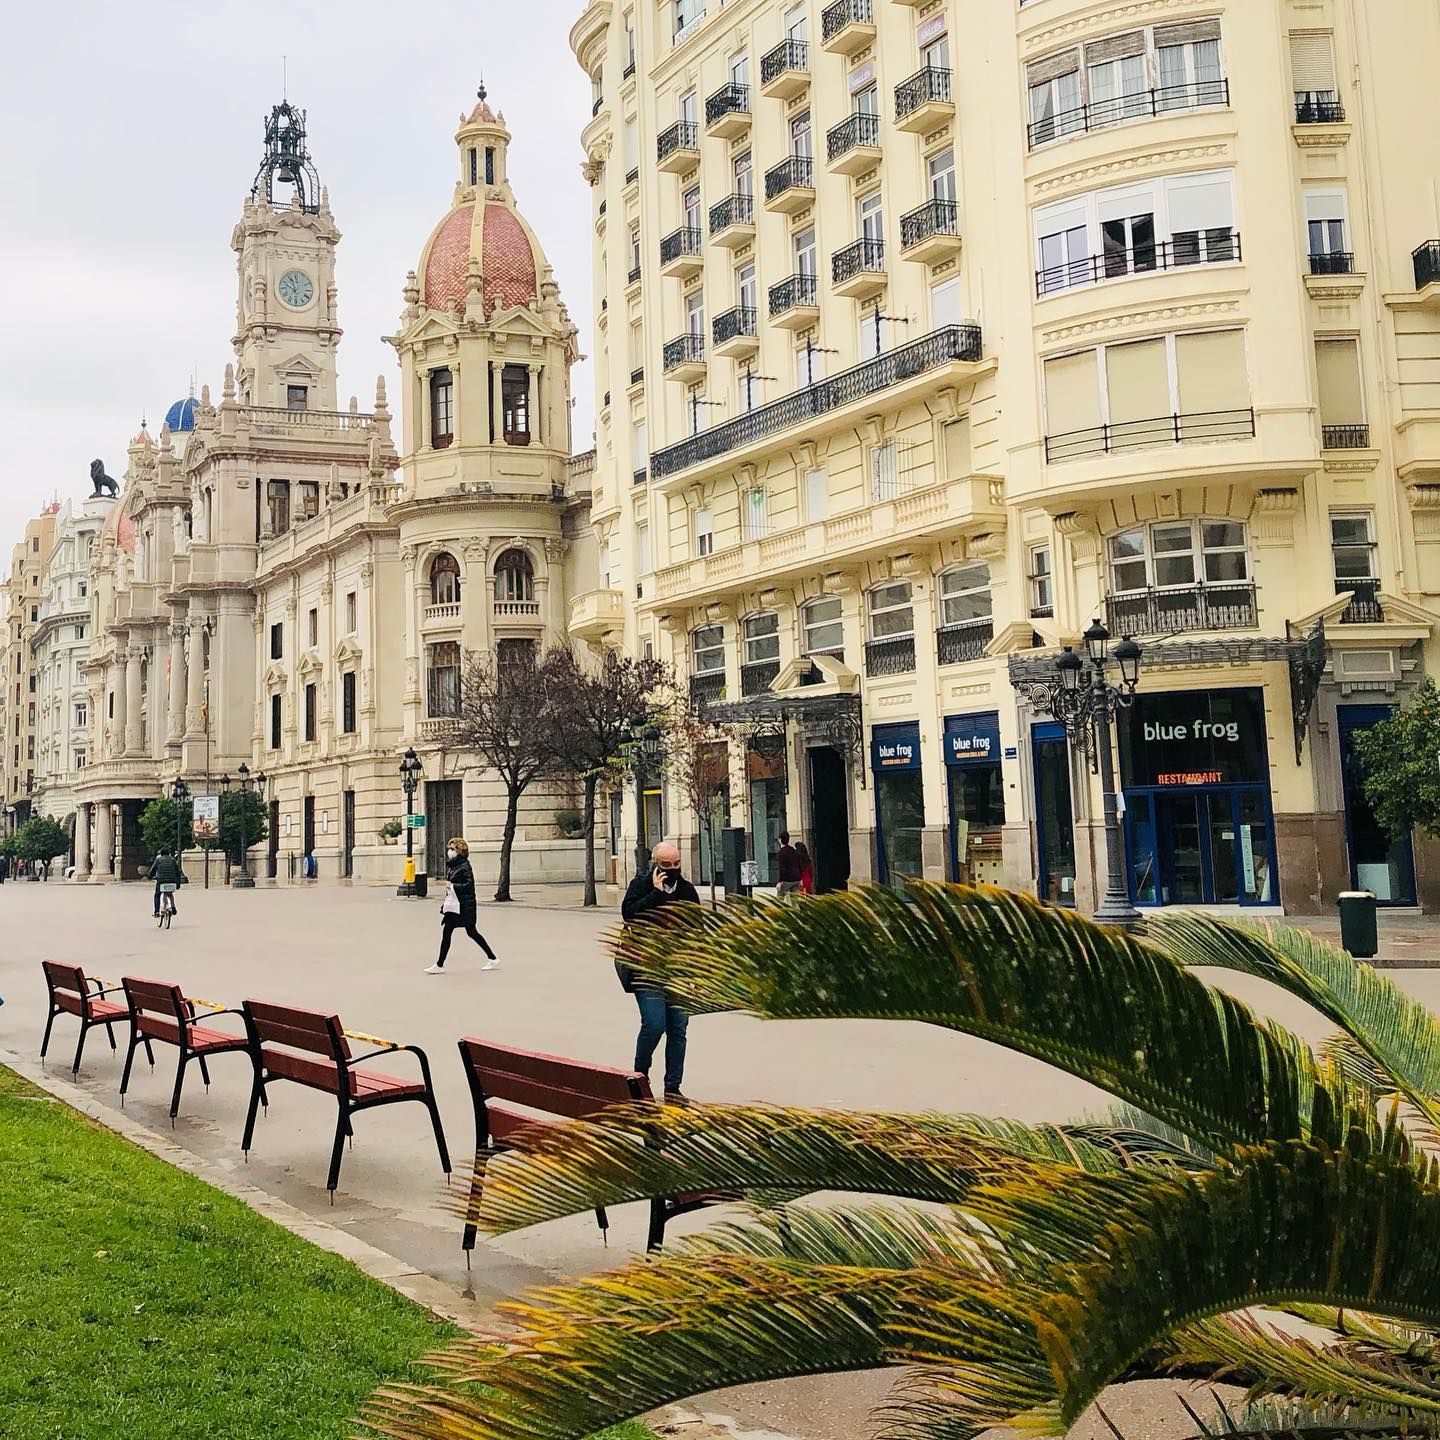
(121, 526)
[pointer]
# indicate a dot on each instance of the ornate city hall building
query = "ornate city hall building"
(280, 585)
(927, 334)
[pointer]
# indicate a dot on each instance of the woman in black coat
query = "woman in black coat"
(457, 911)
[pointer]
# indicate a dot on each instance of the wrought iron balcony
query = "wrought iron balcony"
(1195, 247)
(733, 324)
(1333, 262)
(680, 246)
(632, 175)
(941, 347)
(956, 644)
(684, 349)
(895, 656)
(597, 105)
(681, 140)
(1140, 434)
(732, 210)
(935, 219)
(861, 257)
(788, 62)
(1318, 107)
(790, 176)
(707, 689)
(798, 292)
(924, 89)
(1345, 437)
(1427, 264)
(727, 111)
(851, 133)
(837, 18)
(639, 476)
(756, 679)
(637, 376)
(629, 69)
(1196, 95)
(633, 278)
(1364, 607)
(1192, 607)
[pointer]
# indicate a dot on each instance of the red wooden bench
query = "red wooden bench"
(159, 1011)
(502, 1078)
(313, 1050)
(72, 992)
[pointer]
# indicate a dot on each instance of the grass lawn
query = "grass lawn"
(136, 1300)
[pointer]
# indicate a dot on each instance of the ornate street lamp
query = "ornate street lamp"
(247, 783)
(410, 768)
(1086, 704)
(647, 746)
(180, 794)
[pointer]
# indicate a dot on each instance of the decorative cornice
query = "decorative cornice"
(1160, 317)
(1117, 17)
(1085, 176)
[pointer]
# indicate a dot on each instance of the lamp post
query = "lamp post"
(244, 880)
(1086, 704)
(410, 768)
(179, 793)
(646, 748)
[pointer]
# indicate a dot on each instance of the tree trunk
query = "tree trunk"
(589, 832)
(507, 841)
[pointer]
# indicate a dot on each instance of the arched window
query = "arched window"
(514, 577)
(444, 579)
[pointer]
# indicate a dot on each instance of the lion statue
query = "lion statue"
(103, 484)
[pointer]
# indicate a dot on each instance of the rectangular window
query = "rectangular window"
(941, 170)
(802, 142)
(277, 641)
(515, 401)
(1116, 79)
(310, 712)
(740, 69)
(278, 495)
(1072, 393)
(309, 498)
(955, 448)
(1312, 65)
(884, 477)
(965, 594)
(442, 680)
(1138, 388)
(297, 397)
(1326, 213)
(690, 204)
(1342, 400)
(795, 23)
(313, 627)
(632, 144)
(804, 249)
(347, 703)
(695, 313)
(892, 615)
(707, 650)
(639, 451)
(817, 495)
(1352, 547)
(945, 308)
(870, 216)
(743, 173)
(1055, 108)
(761, 639)
(704, 531)
(276, 706)
(642, 550)
(442, 409)
(82, 716)
(1041, 582)
(474, 158)
(634, 263)
(350, 616)
(755, 523)
(1210, 372)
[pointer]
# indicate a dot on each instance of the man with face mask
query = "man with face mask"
(661, 885)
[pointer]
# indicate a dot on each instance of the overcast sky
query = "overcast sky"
(129, 138)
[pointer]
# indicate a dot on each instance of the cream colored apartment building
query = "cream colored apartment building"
(928, 333)
(26, 586)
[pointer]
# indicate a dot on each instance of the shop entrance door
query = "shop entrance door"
(1379, 862)
(444, 817)
(348, 822)
(1054, 816)
(829, 819)
(1200, 846)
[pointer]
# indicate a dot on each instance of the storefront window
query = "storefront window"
(1054, 815)
(899, 802)
(765, 781)
(977, 797)
(1380, 862)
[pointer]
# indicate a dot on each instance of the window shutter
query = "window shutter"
(1211, 371)
(957, 448)
(1137, 381)
(1312, 59)
(1064, 215)
(1202, 202)
(1072, 393)
(1065, 62)
(1120, 202)
(1190, 32)
(1338, 365)
(1115, 47)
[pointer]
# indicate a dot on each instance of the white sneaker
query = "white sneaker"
(491, 965)
(434, 970)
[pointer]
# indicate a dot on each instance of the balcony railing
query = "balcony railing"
(639, 476)
(707, 689)
(731, 99)
(922, 88)
(682, 135)
(1427, 264)
(853, 130)
(1318, 107)
(1196, 95)
(795, 173)
(732, 210)
(756, 679)
(1333, 262)
(941, 347)
(1193, 607)
(890, 657)
(955, 644)
(1194, 247)
(741, 320)
(632, 174)
(796, 290)
(834, 18)
(1364, 607)
(1345, 437)
(633, 278)
(1138, 434)
(679, 243)
(863, 255)
(683, 350)
(637, 375)
(934, 217)
(787, 55)
(517, 609)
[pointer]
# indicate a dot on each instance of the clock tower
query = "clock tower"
(287, 329)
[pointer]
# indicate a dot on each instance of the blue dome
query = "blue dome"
(181, 415)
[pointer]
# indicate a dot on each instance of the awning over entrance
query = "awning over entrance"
(829, 718)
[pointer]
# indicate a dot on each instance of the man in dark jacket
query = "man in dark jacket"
(164, 870)
(787, 866)
(661, 885)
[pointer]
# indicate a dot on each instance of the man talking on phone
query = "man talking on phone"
(662, 884)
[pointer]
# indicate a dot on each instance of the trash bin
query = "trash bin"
(1358, 932)
(422, 884)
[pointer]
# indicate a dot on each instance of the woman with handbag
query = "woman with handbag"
(457, 910)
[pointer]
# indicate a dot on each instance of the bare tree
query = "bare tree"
(502, 716)
(697, 762)
(595, 707)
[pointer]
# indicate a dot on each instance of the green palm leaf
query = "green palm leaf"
(1095, 1002)
(1284, 1419)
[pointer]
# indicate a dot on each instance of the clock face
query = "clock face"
(296, 289)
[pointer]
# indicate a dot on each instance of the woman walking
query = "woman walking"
(457, 910)
(807, 869)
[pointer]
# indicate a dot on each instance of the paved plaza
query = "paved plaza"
(361, 952)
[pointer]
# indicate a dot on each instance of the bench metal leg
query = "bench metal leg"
(110, 1031)
(477, 1187)
(434, 1110)
(49, 1025)
(79, 1048)
(603, 1221)
(337, 1152)
(257, 1091)
(204, 1072)
(179, 1085)
(656, 1238)
(129, 1061)
(149, 1053)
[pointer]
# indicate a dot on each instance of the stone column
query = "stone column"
(157, 699)
(537, 406)
(104, 840)
(115, 715)
(175, 718)
(134, 727)
(195, 675)
(82, 842)
(497, 402)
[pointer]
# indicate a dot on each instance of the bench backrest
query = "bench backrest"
(547, 1084)
(69, 989)
(287, 1038)
(158, 1007)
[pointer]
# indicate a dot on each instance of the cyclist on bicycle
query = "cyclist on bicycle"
(165, 872)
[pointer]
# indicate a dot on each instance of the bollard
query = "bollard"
(1358, 930)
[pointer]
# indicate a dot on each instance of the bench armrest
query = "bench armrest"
(355, 1060)
(415, 1050)
(101, 990)
(218, 1010)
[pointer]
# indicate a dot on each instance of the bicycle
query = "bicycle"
(167, 906)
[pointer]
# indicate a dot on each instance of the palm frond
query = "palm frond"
(635, 1153)
(1400, 1035)
(1095, 1002)
(1286, 1419)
